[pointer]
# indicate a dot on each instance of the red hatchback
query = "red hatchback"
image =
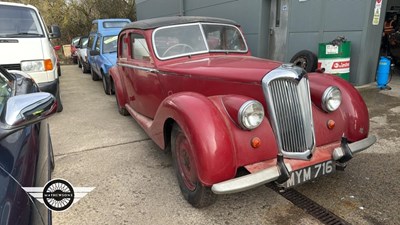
(193, 86)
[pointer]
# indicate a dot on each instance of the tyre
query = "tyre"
(121, 109)
(94, 75)
(106, 83)
(80, 63)
(192, 189)
(58, 98)
(306, 60)
(84, 68)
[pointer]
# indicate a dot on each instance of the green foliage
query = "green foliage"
(74, 17)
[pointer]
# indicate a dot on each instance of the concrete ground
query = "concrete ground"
(96, 147)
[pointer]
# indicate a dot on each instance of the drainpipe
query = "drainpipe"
(181, 7)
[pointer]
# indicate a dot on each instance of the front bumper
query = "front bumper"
(271, 171)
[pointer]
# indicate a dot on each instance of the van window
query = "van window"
(91, 42)
(114, 24)
(98, 44)
(110, 44)
(19, 22)
(140, 50)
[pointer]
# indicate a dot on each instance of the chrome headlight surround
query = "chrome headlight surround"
(251, 115)
(331, 99)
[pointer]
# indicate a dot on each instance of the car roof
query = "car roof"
(174, 20)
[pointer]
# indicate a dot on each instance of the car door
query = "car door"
(146, 93)
(97, 58)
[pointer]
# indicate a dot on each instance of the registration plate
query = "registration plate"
(309, 173)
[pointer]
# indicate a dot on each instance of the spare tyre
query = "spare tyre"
(306, 60)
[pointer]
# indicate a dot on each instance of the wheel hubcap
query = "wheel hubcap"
(185, 162)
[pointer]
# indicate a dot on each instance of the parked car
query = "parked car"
(193, 86)
(82, 54)
(74, 53)
(26, 153)
(26, 46)
(102, 53)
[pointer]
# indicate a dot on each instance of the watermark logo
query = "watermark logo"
(58, 194)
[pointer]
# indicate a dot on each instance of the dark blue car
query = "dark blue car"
(102, 54)
(26, 154)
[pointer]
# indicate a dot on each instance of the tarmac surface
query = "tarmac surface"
(134, 181)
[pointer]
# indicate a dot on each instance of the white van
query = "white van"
(25, 45)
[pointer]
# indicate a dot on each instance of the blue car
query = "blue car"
(26, 153)
(102, 49)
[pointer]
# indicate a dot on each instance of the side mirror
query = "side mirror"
(94, 52)
(55, 32)
(23, 110)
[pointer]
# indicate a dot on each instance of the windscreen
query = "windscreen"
(19, 22)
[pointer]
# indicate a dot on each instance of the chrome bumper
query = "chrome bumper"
(354, 147)
(272, 174)
(248, 181)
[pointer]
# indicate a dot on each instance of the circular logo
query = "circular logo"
(58, 195)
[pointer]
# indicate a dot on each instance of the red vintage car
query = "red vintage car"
(193, 86)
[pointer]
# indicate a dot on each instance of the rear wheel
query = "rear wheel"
(192, 189)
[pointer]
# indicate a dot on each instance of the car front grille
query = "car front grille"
(289, 106)
(11, 66)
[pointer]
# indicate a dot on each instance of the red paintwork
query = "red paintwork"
(203, 94)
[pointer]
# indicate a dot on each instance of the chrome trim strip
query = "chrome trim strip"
(151, 70)
(355, 147)
(249, 181)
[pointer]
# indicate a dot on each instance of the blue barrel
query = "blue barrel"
(382, 77)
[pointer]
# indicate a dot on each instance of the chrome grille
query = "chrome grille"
(289, 106)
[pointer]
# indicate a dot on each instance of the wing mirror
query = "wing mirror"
(55, 32)
(94, 52)
(23, 110)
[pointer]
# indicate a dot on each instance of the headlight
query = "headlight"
(251, 114)
(32, 66)
(331, 99)
(37, 66)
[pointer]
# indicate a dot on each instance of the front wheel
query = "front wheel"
(94, 75)
(192, 189)
(121, 109)
(58, 98)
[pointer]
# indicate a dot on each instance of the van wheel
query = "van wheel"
(192, 189)
(106, 84)
(306, 60)
(94, 75)
(58, 98)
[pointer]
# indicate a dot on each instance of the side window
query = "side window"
(123, 46)
(140, 51)
(98, 44)
(90, 42)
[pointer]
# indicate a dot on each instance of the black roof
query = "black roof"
(167, 21)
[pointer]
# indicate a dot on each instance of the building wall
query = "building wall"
(249, 17)
(306, 24)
